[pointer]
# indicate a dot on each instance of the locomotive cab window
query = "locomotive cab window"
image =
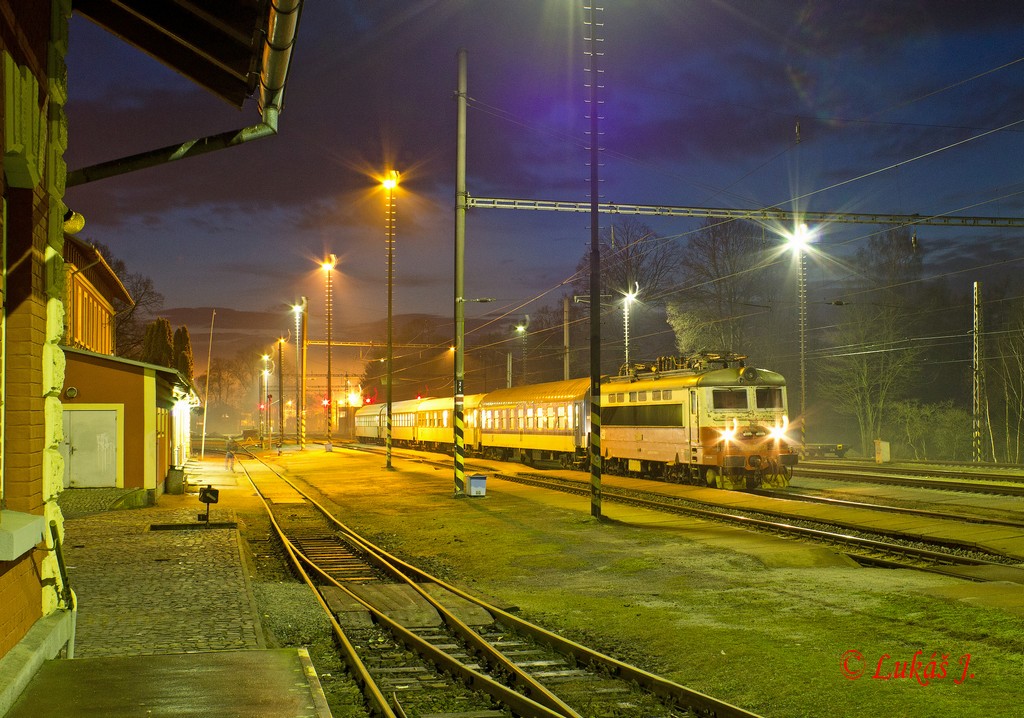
(769, 397)
(729, 398)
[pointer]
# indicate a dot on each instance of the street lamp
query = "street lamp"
(300, 372)
(521, 331)
(265, 430)
(280, 394)
(797, 242)
(626, 301)
(390, 183)
(328, 267)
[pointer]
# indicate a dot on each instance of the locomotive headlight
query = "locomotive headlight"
(779, 432)
(728, 434)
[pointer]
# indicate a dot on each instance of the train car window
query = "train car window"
(729, 398)
(768, 397)
(632, 396)
(649, 415)
(667, 395)
(641, 396)
(656, 395)
(444, 418)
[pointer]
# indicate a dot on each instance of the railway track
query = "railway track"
(865, 545)
(454, 654)
(790, 495)
(1002, 484)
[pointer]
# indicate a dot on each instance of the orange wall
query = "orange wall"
(101, 382)
(19, 596)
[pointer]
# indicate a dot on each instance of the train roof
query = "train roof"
(470, 401)
(552, 391)
(730, 376)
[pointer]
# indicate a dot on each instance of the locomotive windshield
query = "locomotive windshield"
(769, 397)
(729, 398)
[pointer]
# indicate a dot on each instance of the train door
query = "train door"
(693, 426)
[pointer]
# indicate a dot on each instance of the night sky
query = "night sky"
(905, 107)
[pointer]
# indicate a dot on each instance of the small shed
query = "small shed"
(126, 422)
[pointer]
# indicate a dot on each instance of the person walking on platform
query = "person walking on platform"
(229, 456)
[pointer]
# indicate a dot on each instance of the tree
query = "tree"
(1009, 384)
(929, 431)
(633, 258)
(726, 290)
(182, 352)
(158, 345)
(131, 318)
(873, 361)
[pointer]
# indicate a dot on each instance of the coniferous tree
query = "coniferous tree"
(183, 360)
(158, 345)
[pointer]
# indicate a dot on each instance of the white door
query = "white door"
(90, 448)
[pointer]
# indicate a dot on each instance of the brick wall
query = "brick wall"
(33, 43)
(19, 595)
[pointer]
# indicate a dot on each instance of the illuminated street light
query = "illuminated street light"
(797, 241)
(390, 183)
(280, 394)
(521, 330)
(300, 372)
(627, 300)
(265, 429)
(328, 267)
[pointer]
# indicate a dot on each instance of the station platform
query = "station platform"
(167, 625)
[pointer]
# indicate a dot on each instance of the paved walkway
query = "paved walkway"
(179, 588)
(167, 625)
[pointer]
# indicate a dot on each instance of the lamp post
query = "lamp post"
(328, 267)
(521, 331)
(798, 241)
(390, 183)
(626, 301)
(265, 430)
(280, 394)
(300, 372)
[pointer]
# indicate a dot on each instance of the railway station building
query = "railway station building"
(233, 50)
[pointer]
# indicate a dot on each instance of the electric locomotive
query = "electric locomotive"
(707, 419)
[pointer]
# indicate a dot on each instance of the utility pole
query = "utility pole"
(595, 273)
(460, 260)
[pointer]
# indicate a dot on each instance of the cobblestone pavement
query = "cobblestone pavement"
(143, 591)
(75, 503)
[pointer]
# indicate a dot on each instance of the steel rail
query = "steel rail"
(969, 486)
(536, 700)
(663, 688)
(872, 468)
(786, 528)
(925, 513)
(375, 697)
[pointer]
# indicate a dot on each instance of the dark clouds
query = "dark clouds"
(702, 103)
